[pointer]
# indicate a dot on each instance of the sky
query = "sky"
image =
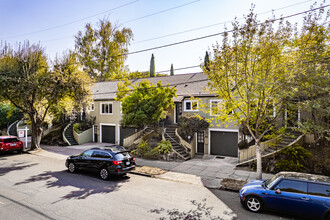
(154, 23)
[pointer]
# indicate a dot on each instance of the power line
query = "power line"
(72, 22)
(194, 29)
(216, 34)
(156, 13)
(212, 25)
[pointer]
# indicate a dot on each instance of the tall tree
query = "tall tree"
(172, 70)
(29, 84)
(312, 66)
(207, 61)
(102, 50)
(152, 66)
(144, 104)
(248, 74)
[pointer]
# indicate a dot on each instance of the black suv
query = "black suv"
(105, 160)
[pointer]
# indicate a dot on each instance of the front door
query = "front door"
(178, 111)
(200, 142)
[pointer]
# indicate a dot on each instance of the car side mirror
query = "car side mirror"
(278, 191)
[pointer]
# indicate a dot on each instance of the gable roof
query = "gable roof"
(186, 84)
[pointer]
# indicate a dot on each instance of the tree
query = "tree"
(28, 83)
(172, 70)
(102, 50)
(207, 61)
(311, 82)
(144, 104)
(248, 73)
(152, 66)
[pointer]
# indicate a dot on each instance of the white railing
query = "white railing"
(63, 134)
(11, 126)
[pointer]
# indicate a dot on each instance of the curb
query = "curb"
(142, 174)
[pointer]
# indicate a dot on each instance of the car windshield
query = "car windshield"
(270, 182)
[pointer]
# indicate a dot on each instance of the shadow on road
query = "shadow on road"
(15, 167)
(85, 184)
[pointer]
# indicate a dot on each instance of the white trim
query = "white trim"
(221, 129)
(108, 104)
(120, 107)
(191, 101)
(118, 141)
(214, 100)
(101, 124)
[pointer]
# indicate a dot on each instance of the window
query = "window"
(100, 154)
(87, 153)
(191, 105)
(10, 140)
(292, 186)
(106, 108)
(92, 107)
(319, 189)
(214, 107)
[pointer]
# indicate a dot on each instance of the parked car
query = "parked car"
(108, 160)
(10, 143)
(295, 193)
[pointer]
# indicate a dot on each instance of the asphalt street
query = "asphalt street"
(38, 187)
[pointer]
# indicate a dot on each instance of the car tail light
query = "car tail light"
(117, 162)
(134, 159)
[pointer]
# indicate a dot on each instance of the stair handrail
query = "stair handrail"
(63, 134)
(177, 143)
(8, 129)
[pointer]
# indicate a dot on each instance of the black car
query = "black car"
(107, 160)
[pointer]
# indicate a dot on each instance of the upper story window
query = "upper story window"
(191, 105)
(106, 108)
(215, 107)
(92, 107)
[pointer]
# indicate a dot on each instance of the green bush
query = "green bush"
(164, 147)
(145, 151)
(189, 125)
(293, 159)
(82, 126)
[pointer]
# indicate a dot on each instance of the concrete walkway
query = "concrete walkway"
(209, 169)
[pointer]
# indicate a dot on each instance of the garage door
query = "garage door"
(224, 143)
(108, 134)
(125, 132)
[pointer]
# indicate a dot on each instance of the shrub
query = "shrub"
(164, 147)
(293, 159)
(82, 126)
(188, 126)
(145, 151)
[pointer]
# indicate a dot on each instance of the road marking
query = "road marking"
(1, 203)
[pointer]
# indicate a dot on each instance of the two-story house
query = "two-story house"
(218, 139)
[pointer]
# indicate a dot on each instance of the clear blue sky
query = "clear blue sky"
(19, 18)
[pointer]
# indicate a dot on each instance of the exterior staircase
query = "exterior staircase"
(177, 147)
(68, 133)
(286, 140)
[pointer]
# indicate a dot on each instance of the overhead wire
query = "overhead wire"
(219, 33)
(72, 22)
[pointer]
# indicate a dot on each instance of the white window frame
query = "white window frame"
(214, 100)
(92, 107)
(191, 104)
(106, 103)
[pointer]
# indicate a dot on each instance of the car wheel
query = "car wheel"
(72, 167)
(254, 204)
(104, 173)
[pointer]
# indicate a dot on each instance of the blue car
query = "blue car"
(290, 192)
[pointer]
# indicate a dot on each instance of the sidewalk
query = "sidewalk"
(208, 170)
